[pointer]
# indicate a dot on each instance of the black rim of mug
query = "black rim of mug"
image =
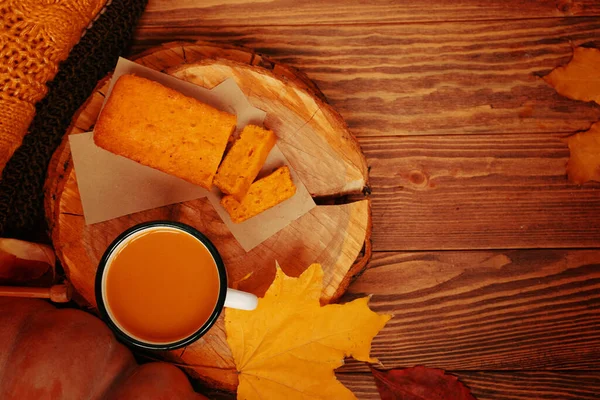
(209, 322)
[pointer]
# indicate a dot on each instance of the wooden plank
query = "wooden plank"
(497, 385)
(576, 385)
(485, 310)
(181, 13)
(362, 385)
(478, 191)
(417, 79)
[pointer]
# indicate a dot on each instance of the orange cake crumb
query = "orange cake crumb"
(244, 160)
(262, 195)
(161, 128)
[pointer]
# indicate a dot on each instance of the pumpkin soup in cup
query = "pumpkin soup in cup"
(161, 285)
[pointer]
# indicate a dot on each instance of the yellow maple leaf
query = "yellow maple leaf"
(584, 161)
(580, 78)
(289, 346)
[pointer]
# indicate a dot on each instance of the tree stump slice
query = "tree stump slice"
(317, 144)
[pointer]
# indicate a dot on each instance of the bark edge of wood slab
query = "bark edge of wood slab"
(317, 144)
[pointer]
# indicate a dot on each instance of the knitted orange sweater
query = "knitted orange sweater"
(36, 37)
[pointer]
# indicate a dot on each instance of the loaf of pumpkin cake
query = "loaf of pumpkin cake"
(262, 195)
(243, 161)
(161, 128)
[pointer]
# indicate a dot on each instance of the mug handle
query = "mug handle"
(240, 300)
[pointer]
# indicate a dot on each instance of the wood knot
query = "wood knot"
(564, 6)
(418, 178)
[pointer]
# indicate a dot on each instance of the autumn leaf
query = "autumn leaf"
(580, 79)
(419, 383)
(289, 346)
(584, 162)
(24, 262)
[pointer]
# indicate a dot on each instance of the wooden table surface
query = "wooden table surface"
(485, 253)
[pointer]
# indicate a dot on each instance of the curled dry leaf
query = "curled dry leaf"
(580, 79)
(289, 346)
(419, 383)
(24, 262)
(584, 161)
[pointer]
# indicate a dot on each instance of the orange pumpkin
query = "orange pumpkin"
(56, 354)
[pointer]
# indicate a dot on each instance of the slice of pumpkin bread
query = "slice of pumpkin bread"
(244, 160)
(262, 195)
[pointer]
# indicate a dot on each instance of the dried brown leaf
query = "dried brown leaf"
(24, 262)
(580, 78)
(584, 162)
(420, 383)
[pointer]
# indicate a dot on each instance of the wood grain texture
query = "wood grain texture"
(335, 236)
(423, 79)
(528, 385)
(288, 12)
(498, 385)
(485, 310)
(483, 191)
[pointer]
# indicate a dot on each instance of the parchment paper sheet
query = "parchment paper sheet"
(112, 186)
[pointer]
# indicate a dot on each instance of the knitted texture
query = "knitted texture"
(21, 186)
(36, 36)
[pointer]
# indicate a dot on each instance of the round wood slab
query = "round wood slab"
(317, 144)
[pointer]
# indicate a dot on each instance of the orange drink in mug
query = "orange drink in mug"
(161, 285)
